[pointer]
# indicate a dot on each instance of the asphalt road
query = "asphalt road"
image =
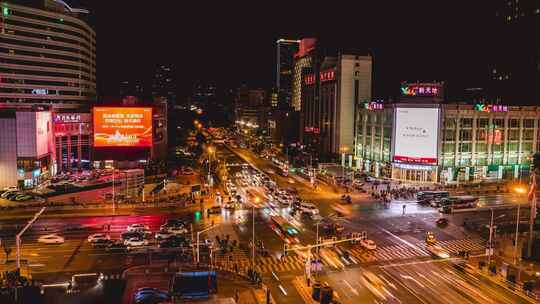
(407, 269)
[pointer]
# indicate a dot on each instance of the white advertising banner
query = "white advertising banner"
(416, 135)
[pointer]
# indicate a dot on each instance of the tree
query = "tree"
(7, 250)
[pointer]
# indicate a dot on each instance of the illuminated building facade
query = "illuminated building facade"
(286, 49)
(472, 143)
(330, 91)
(73, 141)
(303, 59)
(48, 55)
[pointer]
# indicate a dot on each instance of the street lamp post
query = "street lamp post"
(198, 238)
(490, 241)
(520, 190)
(18, 236)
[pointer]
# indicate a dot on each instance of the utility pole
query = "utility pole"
(490, 242)
(517, 234)
(253, 237)
(532, 195)
(198, 243)
(18, 237)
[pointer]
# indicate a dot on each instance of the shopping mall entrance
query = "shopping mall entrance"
(414, 173)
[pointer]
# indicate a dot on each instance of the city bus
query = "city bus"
(286, 231)
(457, 202)
(425, 197)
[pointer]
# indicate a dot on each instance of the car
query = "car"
(214, 210)
(177, 230)
(172, 242)
(368, 244)
(9, 192)
(51, 239)
(187, 171)
(135, 242)
(22, 197)
(430, 238)
(172, 223)
(442, 221)
(438, 251)
(129, 235)
(163, 235)
(137, 228)
(152, 295)
(97, 237)
(116, 247)
(101, 243)
(11, 195)
(308, 207)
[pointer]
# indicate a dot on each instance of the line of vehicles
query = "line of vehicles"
(174, 233)
(15, 195)
(444, 202)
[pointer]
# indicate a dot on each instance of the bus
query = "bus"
(457, 202)
(282, 165)
(286, 231)
(425, 197)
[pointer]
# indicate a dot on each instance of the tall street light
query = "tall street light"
(257, 200)
(519, 190)
(490, 241)
(211, 150)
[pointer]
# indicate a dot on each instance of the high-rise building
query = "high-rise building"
(515, 69)
(286, 48)
(164, 84)
(303, 59)
(330, 92)
(48, 55)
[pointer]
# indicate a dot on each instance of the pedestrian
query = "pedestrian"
(236, 296)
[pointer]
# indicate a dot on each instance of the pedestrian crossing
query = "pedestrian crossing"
(241, 260)
(387, 253)
(263, 264)
(455, 246)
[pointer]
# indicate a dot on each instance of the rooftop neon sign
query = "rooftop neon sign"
(411, 90)
(480, 107)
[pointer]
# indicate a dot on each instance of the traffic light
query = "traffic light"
(5, 11)
(197, 216)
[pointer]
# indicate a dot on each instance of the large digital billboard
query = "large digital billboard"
(122, 127)
(416, 135)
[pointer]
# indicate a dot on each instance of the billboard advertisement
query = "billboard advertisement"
(416, 135)
(123, 127)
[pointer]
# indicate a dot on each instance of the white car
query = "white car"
(98, 237)
(51, 239)
(177, 230)
(163, 235)
(137, 228)
(368, 244)
(438, 251)
(135, 242)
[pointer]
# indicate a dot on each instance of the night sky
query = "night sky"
(232, 43)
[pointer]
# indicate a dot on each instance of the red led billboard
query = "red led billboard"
(122, 127)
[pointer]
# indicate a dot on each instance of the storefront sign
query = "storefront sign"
(413, 167)
(480, 107)
(411, 90)
(309, 79)
(67, 118)
(40, 91)
(373, 105)
(312, 130)
(327, 75)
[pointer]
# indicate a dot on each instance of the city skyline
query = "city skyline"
(416, 41)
